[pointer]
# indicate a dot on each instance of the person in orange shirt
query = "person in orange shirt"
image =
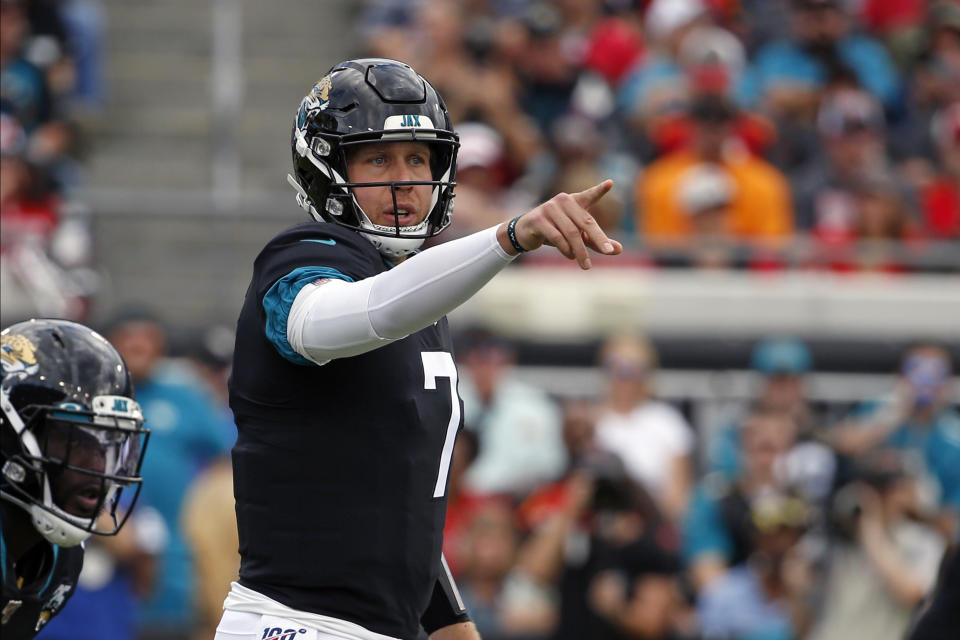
(760, 209)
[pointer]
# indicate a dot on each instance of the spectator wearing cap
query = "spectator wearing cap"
(760, 211)
(767, 595)
(706, 192)
(656, 87)
(519, 427)
(883, 561)
(708, 59)
(781, 364)
(850, 127)
(809, 467)
(915, 418)
(786, 76)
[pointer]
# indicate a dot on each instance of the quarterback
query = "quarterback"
(344, 387)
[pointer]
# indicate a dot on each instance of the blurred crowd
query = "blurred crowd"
(741, 133)
(50, 82)
(616, 515)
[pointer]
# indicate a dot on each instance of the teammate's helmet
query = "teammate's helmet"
(363, 101)
(73, 436)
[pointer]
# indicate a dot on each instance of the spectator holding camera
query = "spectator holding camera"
(916, 419)
(884, 561)
(603, 553)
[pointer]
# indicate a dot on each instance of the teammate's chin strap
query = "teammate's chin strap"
(341, 319)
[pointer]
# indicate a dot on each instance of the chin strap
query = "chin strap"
(302, 200)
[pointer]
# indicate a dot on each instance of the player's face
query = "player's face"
(400, 161)
(75, 492)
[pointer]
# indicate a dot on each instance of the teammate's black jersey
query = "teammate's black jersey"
(36, 588)
(340, 486)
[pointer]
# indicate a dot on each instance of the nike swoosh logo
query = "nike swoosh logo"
(329, 241)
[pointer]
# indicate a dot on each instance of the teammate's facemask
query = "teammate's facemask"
(364, 101)
(73, 436)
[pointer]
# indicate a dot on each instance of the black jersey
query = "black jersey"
(340, 470)
(37, 587)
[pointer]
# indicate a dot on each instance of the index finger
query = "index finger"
(588, 197)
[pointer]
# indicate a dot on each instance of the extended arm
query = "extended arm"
(338, 319)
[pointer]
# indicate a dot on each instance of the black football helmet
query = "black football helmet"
(363, 101)
(72, 433)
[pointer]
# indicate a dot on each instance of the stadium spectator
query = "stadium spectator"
(462, 503)
(786, 76)
(47, 246)
(781, 364)
(940, 197)
(850, 126)
(931, 85)
(705, 194)
(209, 525)
(656, 92)
(547, 66)
(767, 595)
(615, 43)
(489, 589)
(884, 234)
(518, 426)
(899, 25)
(24, 92)
(209, 352)
(884, 561)
(717, 530)
(84, 23)
(582, 150)
(605, 555)
(652, 438)
(188, 432)
(917, 419)
(760, 212)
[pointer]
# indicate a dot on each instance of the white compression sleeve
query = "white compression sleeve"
(339, 318)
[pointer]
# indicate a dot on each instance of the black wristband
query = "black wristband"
(512, 234)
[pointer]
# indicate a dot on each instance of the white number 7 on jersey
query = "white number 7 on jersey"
(439, 364)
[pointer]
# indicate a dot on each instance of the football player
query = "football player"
(72, 443)
(344, 388)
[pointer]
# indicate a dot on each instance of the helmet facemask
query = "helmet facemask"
(73, 465)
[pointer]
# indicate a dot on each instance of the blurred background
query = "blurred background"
(746, 426)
